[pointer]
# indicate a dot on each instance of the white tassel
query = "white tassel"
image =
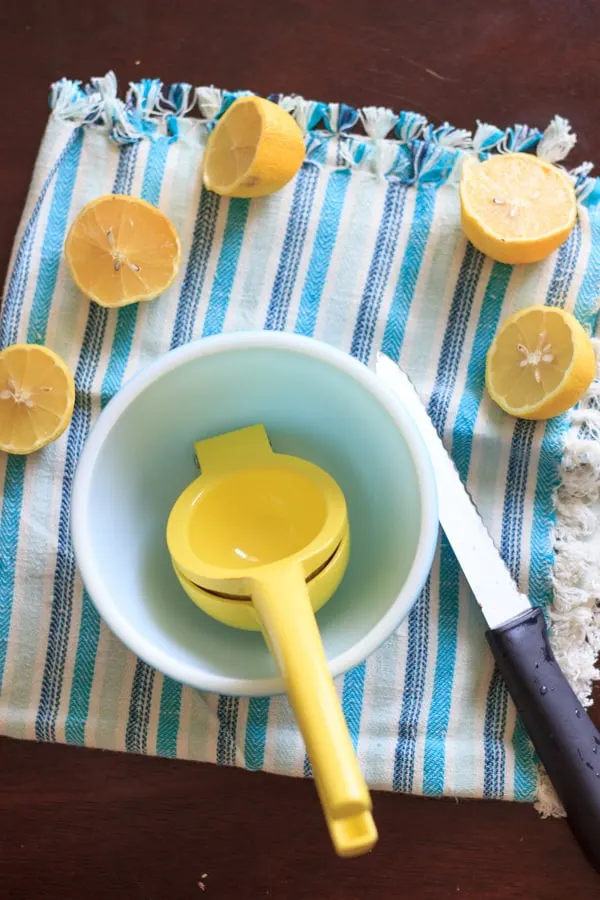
(301, 109)
(378, 121)
(114, 109)
(548, 804)
(557, 141)
(345, 152)
(575, 612)
(69, 103)
(333, 116)
(483, 133)
(146, 107)
(107, 87)
(459, 138)
(209, 100)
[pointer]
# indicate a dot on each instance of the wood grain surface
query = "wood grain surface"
(77, 823)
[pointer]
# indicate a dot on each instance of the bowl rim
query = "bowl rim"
(185, 672)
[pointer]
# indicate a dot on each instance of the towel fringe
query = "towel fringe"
(151, 110)
(557, 140)
(575, 612)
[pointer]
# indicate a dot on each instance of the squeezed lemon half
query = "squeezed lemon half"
(122, 250)
(515, 207)
(254, 150)
(540, 363)
(37, 395)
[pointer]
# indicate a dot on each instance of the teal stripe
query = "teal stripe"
(256, 732)
(237, 215)
(395, 328)
(462, 441)
(12, 501)
(52, 247)
(468, 410)
(525, 785)
(586, 306)
(325, 238)
(16, 283)
(352, 257)
(89, 629)
(226, 267)
(15, 468)
(439, 711)
(548, 476)
(352, 700)
(64, 576)
(127, 315)
(547, 480)
(155, 170)
(170, 709)
(83, 673)
(463, 432)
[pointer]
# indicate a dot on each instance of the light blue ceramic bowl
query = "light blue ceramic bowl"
(316, 403)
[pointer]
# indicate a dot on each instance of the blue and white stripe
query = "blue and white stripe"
(364, 250)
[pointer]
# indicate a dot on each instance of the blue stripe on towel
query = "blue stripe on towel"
(418, 622)
(395, 328)
(226, 267)
(65, 170)
(325, 238)
(413, 693)
(195, 273)
(293, 245)
(65, 167)
(256, 732)
(64, 579)
(439, 408)
(511, 543)
(89, 631)
(227, 712)
(379, 271)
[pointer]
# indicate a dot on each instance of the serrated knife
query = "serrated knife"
(566, 739)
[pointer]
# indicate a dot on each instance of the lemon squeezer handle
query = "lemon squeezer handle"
(283, 606)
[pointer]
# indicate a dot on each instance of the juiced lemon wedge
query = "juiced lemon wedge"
(540, 363)
(255, 149)
(515, 207)
(37, 394)
(121, 250)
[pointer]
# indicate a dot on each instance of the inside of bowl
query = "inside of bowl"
(310, 409)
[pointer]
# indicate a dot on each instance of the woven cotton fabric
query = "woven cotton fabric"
(364, 250)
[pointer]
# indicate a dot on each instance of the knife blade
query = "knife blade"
(566, 739)
(488, 577)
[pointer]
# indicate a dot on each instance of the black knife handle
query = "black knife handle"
(566, 739)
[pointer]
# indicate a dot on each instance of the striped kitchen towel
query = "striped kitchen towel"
(364, 250)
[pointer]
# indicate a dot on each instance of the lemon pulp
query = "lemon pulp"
(516, 207)
(121, 250)
(37, 394)
(540, 363)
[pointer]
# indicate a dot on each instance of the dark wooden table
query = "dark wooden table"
(77, 823)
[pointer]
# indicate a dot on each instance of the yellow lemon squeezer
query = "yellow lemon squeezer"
(261, 540)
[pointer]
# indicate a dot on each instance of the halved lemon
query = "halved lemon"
(37, 395)
(121, 250)
(540, 363)
(255, 149)
(516, 208)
